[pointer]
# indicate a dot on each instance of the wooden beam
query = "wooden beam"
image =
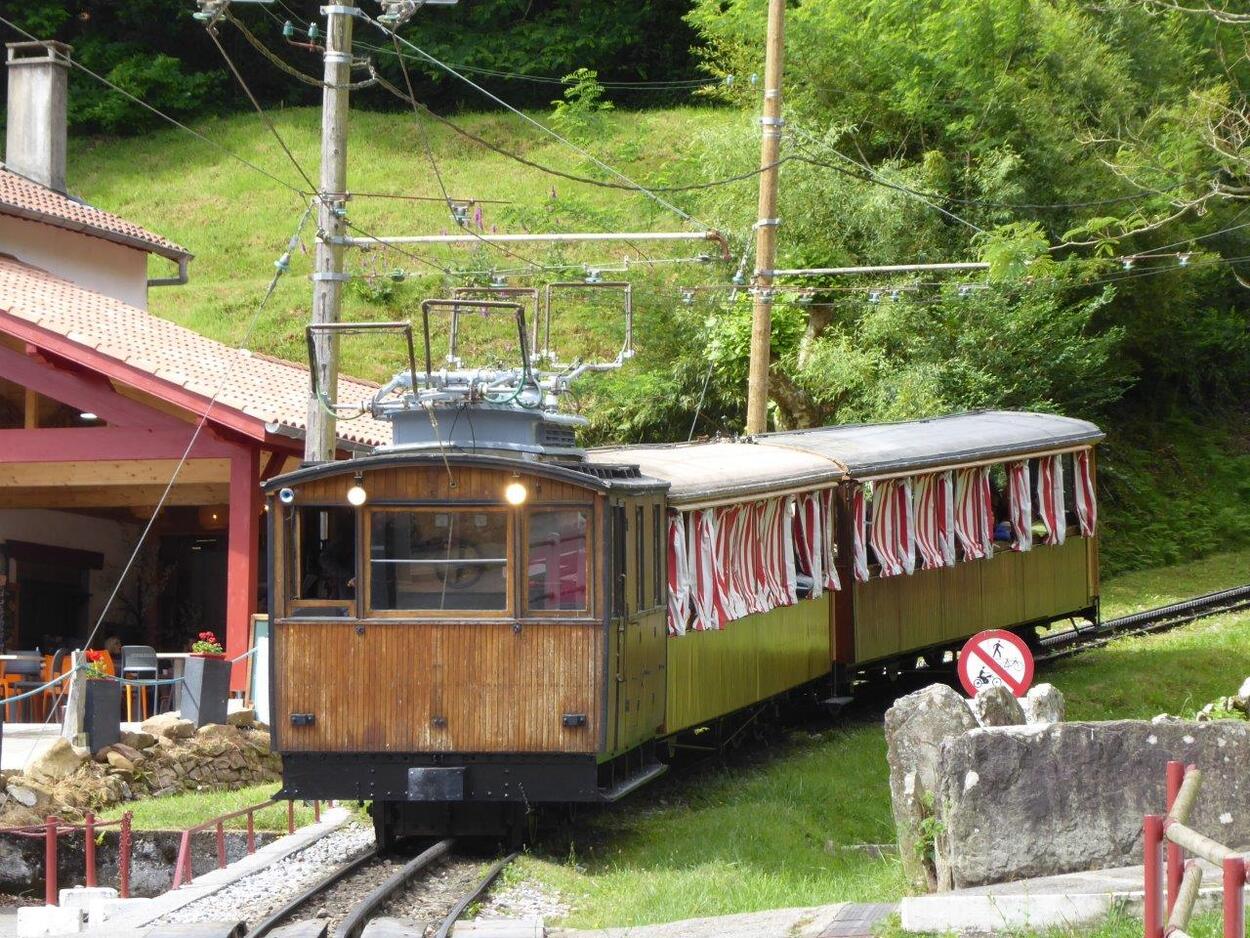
(112, 496)
(86, 392)
(113, 472)
(104, 444)
(139, 378)
(243, 557)
(31, 421)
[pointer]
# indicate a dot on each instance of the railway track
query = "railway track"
(1075, 640)
(335, 902)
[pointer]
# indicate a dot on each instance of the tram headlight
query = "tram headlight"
(515, 493)
(356, 495)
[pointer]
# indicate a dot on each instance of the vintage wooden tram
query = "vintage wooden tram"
(481, 619)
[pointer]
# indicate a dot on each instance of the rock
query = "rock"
(139, 740)
(1044, 704)
(217, 731)
(245, 717)
(997, 706)
(914, 729)
(57, 761)
(1244, 693)
(26, 795)
(169, 726)
(1023, 801)
(120, 762)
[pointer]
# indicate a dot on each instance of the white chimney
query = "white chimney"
(37, 124)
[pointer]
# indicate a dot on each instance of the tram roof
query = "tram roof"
(727, 470)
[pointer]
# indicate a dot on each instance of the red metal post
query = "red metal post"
(1152, 841)
(290, 817)
(317, 811)
(221, 845)
(182, 865)
(1234, 898)
(123, 858)
(89, 847)
(49, 860)
(1176, 857)
(251, 832)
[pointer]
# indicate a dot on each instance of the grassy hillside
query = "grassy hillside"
(237, 221)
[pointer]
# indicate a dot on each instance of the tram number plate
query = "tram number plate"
(440, 784)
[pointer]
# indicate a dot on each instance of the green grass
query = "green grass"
(1115, 925)
(774, 833)
(179, 812)
(237, 222)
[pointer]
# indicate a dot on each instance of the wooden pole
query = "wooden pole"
(766, 226)
(328, 275)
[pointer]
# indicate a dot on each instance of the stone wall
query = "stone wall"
(168, 755)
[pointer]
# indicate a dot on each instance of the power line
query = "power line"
(161, 114)
(543, 127)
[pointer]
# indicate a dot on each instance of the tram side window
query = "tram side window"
(435, 560)
(325, 563)
(556, 564)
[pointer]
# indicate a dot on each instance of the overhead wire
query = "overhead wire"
(659, 200)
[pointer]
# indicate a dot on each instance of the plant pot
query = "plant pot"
(205, 687)
(102, 714)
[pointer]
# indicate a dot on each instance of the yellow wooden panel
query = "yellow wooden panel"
(876, 619)
(718, 672)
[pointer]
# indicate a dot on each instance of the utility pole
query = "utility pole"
(328, 274)
(766, 226)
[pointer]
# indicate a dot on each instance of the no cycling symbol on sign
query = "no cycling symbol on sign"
(996, 657)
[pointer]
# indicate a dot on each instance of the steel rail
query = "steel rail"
(295, 904)
(470, 897)
(358, 918)
(1076, 640)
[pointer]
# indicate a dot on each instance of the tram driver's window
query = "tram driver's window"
(327, 554)
(556, 561)
(438, 560)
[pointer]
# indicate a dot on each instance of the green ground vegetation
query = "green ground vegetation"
(780, 826)
(1115, 925)
(179, 812)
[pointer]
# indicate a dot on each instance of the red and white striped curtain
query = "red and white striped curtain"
(933, 501)
(701, 558)
(1050, 498)
(1086, 500)
(732, 600)
(828, 540)
(809, 531)
(1021, 503)
(859, 537)
(893, 531)
(678, 575)
(974, 513)
(776, 526)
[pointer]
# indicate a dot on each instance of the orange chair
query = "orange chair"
(61, 663)
(7, 689)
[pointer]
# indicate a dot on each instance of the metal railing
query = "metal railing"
(1184, 877)
(54, 828)
(183, 873)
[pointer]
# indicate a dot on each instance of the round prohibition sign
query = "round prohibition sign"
(996, 657)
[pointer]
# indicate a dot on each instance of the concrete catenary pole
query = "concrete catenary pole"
(328, 275)
(766, 226)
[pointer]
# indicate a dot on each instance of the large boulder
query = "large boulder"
(1044, 704)
(914, 730)
(56, 762)
(1039, 800)
(997, 706)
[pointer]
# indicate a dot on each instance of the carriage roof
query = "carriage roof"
(807, 459)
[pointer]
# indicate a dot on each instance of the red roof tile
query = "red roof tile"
(265, 388)
(26, 199)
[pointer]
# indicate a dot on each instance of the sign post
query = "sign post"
(996, 657)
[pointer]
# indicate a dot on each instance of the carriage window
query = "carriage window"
(556, 563)
(438, 560)
(323, 569)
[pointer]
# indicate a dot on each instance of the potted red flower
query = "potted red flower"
(206, 682)
(102, 705)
